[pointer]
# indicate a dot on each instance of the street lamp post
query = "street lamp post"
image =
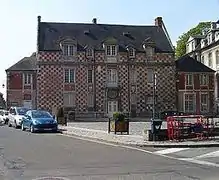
(154, 105)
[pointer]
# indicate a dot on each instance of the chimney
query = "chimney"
(159, 22)
(94, 21)
(213, 25)
(39, 19)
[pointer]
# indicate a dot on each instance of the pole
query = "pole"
(154, 102)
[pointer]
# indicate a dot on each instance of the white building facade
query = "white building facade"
(205, 48)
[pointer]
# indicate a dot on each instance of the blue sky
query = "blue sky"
(19, 19)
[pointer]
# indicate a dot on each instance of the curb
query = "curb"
(160, 145)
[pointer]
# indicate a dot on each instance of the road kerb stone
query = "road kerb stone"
(134, 140)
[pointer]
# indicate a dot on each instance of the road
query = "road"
(26, 156)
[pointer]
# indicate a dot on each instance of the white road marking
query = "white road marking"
(191, 160)
(170, 150)
(211, 154)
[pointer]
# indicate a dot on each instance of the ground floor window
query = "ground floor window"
(204, 102)
(189, 102)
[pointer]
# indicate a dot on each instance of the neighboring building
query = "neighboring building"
(104, 68)
(205, 48)
(195, 85)
(21, 83)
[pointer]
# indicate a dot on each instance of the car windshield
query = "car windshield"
(22, 111)
(41, 114)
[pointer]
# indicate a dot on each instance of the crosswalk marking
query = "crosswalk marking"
(170, 150)
(211, 154)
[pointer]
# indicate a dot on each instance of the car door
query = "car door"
(28, 119)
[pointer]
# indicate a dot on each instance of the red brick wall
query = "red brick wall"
(14, 80)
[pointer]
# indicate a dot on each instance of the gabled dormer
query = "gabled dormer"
(111, 47)
(68, 47)
(131, 51)
(89, 51)
(191, 44)
(149, 47)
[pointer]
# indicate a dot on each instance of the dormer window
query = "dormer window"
(89, 52)
(131, 52)
(111, 50)
(68, 50)
(149, 51)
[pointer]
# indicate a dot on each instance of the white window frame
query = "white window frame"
(150, 80)
(194, 102)
(188, 78)
(111, 50)
(210, 59)
(204, 79)
(69, 52)
(89, 52)
(90, 100)
(27, 79)
(133, 76)
(68, 79)
(71, 99)
(112, 76)
(217, 57)
(205, 104)
(131, 52)
(92, 75)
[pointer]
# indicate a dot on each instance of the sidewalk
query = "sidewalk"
(134, 139)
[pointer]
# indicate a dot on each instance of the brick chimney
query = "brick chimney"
(159, 22)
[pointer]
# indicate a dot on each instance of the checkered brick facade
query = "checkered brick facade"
(51, 86)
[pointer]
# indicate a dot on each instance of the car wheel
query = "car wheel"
(9, 124)
(32, 129)
(22, 127)
(15, 125)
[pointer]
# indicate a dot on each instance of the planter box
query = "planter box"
(62, 121)
(118, 126)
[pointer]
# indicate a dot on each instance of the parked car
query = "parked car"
(39, 120)
(5, 116)
(15, 116)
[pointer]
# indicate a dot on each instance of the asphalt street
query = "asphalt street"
(26, 156)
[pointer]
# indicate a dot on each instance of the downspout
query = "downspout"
(94, 100)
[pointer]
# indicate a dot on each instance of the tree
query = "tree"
(181, 43)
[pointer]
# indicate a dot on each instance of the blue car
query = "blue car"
(38, 120)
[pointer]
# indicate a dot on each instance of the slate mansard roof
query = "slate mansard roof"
(50, 34)
(189, 64)
(25, 64)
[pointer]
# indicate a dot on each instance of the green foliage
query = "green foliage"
(181, 43)
(119, 116)
(60, 112)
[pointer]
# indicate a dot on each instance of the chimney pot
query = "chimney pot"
(94, 21)
(39, 19)
(159, 22)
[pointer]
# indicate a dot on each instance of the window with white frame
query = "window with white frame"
(203, 59)
(69, 99)
(89, 52)
(149, 51)
(203, 79)
(133, 76)
(210, 59)
(112, 76)
(69, 75)
(111, 50)
(189, 102)
(68, 50)
(189, 80)
(217, 57)
(131, 52)
(27, 79)
(204, 102)
(90, 100)
(150, 75)
(90, 76)
(133, 99)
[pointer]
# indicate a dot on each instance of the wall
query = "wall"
(16, 92)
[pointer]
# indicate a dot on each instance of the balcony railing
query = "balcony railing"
(112, 84)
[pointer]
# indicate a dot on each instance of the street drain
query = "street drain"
(51, 178)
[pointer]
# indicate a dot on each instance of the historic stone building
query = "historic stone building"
(104, 68)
